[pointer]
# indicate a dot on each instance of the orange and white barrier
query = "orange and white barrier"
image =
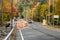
(25, 24)
(20, 24)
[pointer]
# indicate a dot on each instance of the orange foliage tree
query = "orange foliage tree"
(8, 6)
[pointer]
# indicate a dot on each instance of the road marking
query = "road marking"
(21, 32)
(25, 27)
(21, 35)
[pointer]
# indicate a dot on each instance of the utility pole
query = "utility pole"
(11, 17)
(49, 11)
(53, 12)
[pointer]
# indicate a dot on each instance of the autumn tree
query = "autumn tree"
(9, 9)
(41, 11)
(57, 8)
(37, 12)
(44, 10)
(6, 6)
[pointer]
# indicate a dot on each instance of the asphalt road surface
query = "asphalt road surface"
(36, 32)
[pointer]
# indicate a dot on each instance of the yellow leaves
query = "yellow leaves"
(57, 7)
(56, 0)
(6, 3)
(6, 6)
(45, 5)
(31, 14)
(15, 2)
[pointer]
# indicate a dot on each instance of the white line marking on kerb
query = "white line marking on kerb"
(21, 35)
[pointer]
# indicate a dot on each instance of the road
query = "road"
(37, 32)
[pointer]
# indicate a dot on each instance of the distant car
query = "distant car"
(29, 21)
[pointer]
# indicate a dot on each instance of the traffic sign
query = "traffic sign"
(56, 16)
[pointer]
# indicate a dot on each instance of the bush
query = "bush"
(5, 17)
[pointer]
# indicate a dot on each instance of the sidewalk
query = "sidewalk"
(49, 27)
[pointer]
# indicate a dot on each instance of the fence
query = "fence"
(11, 34)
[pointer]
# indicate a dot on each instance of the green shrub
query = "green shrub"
(5, 17)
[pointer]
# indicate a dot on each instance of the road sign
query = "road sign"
(56, 16)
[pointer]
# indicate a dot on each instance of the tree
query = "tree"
(40, 12)
(6, 6)
(44, 10)
(51, 9)
(42, 1)
(21, 9)
(37, 13)
(57, 8)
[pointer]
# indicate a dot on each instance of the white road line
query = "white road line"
(25, 28)
(21, 34)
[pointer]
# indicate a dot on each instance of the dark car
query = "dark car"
(29, 21)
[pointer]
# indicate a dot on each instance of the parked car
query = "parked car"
(29, 21)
